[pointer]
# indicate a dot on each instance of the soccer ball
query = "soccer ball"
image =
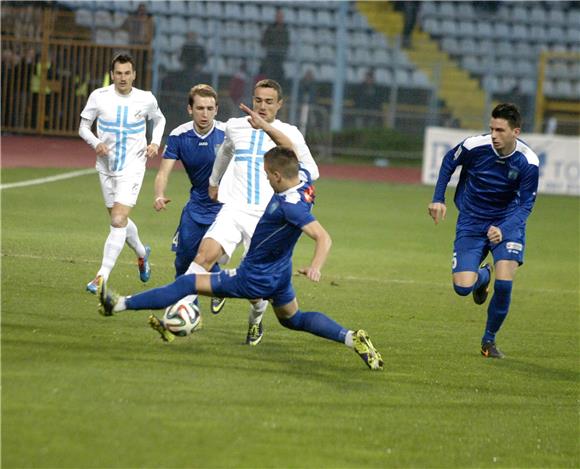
(182, 318)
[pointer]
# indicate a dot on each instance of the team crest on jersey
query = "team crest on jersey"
(513, 174)
(273, 206)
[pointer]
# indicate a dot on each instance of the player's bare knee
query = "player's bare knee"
(118, 220)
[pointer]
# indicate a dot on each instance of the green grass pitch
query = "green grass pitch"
(83, 391)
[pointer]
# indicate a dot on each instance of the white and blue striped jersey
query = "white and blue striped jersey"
(492, 188)
(244, 184)
(121, 125)
(197, 154)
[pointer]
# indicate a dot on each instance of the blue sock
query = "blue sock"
(463, 291)
(498, 308)
(316, 323)
(158, 298)
(482, 278)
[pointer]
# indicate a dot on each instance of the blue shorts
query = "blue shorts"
(186, 241)
(471, 248)
(240, 283)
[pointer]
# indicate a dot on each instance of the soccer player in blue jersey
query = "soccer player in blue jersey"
(194, 144)
(495, 195)
(266, 270)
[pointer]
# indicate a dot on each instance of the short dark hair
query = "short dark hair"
(510, 112)
(283, 160)
(203, 90)
(269, 83)
(122, 59)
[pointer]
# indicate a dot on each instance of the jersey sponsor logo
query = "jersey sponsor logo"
(202, 144)
(511, 246)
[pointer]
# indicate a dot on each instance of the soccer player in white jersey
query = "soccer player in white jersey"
(121, 147)
(495, 196)
(244, 189)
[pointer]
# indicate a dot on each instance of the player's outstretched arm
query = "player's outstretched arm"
(161, 180)
(257, 122)
(437, 211)
(323, 243)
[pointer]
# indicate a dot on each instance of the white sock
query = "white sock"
(348, 339)
(257, 311)
(113, 247)
(120, 305)
(133, 239)
(194, 268)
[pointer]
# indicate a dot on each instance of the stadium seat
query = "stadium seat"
(450, 28)
(163, 24)
(467, 29)
(162, 43)
(501, 31)
(573, 34)
(527, 86)
(176, 42)
(538, 33)
(469, 47)
(420, 80)
(402, 77)
(305, 17)
(428, 10)
(451, 45)
(104, 36)
(197, 25)
(538, 16)
(268, 13)
(326, 73)
(325, 18)
(196, 9)
(465, 10)
(326, 36)
(383, 76)
(232, 11)
(250, 12)
(556, 16)
(447, 10)
(214, 10)
(432, 26)
(121, 37)
(483, 30)
(158, 7)
(84, 17)
(177, 7)
(574, 17)
(380, 56)
(327, 54)
(563, 89)
(520, 31)
(178, 25)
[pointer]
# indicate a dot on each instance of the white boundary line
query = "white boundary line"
(58, 177)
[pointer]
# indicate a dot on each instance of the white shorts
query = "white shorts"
(123, 189)
(232, 227)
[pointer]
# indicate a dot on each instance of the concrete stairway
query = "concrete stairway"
(462, 94)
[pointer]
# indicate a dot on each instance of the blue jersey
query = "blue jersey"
(492, 189)
(197, 154)
(278, 230)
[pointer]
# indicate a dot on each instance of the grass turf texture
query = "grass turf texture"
(80, 390)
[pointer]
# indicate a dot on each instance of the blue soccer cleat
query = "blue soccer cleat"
(144, 266)
(93, 285)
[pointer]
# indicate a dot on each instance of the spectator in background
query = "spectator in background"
(307, 97)
(139, 26)
(368, 102)
(275, 41)
(410, 13)
(193, 58)
(237, 88)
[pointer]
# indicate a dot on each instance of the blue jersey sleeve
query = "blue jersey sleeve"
(172, 148)
(528, 191)
(298, 214)
(454, 158)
